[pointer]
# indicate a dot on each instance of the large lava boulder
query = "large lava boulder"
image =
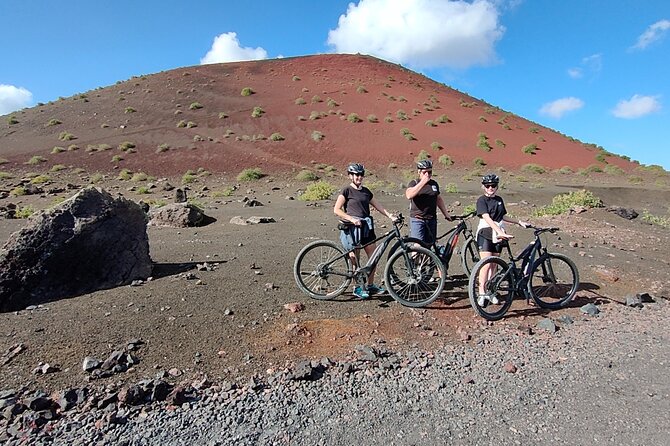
(89, 242)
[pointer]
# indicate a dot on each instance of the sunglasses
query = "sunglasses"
(358, 174)
(491, 185)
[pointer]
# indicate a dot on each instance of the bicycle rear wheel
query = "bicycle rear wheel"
(322, 270)
(498, 289)
(469, 255)
(553, 281)
(415, 277)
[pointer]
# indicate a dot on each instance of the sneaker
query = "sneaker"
(494, 300)
(360, 292)
(483, 300)
(374, 289)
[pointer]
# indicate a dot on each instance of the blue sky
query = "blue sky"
(595, 70)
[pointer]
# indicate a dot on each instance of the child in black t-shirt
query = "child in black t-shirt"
(491, 231)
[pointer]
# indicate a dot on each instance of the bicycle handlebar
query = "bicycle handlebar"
(462, 217)
(539, 230)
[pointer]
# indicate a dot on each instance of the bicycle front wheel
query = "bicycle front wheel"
(553, 281)
(491, 288)
(469, 255)
(415, 277)
(322, 270)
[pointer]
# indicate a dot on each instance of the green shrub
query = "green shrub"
(300, 101)
(181, 124)
(195, 106)
(257, 112)
(53, 122)
(430, 123)
(57, 149)
(276, 137)
(534, 130)
(162, 148)
(593, 168)
(126, 145)
(225, 192)
(6, 175)
(469, 208)
(65, 136)
(116, 159)
(189, 177)
(306, 175)
(139, 176)
(560, 204)
(191, 124)
(529, 149)
(129, 110)
(12, 120)
(18, 191)
(435, 145)
(295, 78)
(500, 143)
(451, 188)
(353, 117)
(361, 89)
(317, 135)
(483, 142)
(566, 170)
(246, 91)
(655, 220)
(24, 211)
(96, 178)
(423, 155)
(478, 162)
(611, 169)
(443, 119)
(3, 161)
(142, 190)
(58, 167)
(401, 115)
(635, 180)
(250, 174)
(125, 175)
(223, 115)
(36, 160)
(533, 168)
(445, 160)
(40, 179)
(320, 190)
(332, 103)
(372, 118)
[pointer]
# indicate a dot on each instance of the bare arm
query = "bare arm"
(494, 226)
(413, 191)
(443, 207)
(380, 208)
(338, 209)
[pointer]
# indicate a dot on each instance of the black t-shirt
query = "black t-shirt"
(494, 206)
(357, 202)
(424, 204)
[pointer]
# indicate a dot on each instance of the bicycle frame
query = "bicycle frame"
(527, 256)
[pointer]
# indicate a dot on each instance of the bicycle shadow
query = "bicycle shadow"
(161, 270)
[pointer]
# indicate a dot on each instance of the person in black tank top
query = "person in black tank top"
(353, 208)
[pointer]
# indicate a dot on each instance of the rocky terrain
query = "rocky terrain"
(218, 345)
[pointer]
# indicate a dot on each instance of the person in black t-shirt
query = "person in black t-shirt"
(425, 199)
(353, 208)
(491, 231)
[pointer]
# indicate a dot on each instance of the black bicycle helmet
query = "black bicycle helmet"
(424, 165)
(356, 168)
(490, 178)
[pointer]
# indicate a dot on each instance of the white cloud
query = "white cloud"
(652, 34)
(590, 64)
(559, 107)
(575, 73)
(636, 107)
(13, 98)
(226, 48)
(421, 33)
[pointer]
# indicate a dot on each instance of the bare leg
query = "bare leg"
(487, 271)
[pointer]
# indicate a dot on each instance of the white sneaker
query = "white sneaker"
(494, 300)
(482, 300)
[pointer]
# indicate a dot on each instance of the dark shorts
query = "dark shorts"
(486, 244)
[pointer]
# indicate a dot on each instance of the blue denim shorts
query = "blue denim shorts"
(424, 230)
